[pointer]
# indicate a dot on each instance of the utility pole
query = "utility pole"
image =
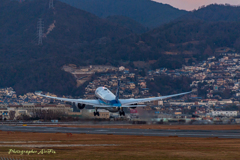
(50, 4)
(40, 26)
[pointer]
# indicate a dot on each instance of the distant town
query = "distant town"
(215, 97)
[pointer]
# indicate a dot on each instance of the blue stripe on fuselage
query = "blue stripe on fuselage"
(112, 103)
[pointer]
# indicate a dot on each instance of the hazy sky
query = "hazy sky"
(194, 4)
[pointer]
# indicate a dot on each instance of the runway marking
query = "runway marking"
(101, 130)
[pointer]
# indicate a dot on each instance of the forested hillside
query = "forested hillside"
(128, 23)
(174, 43)
(27, 66)
(191, 38)
(74, 36)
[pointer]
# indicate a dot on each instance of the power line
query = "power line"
(40, 27)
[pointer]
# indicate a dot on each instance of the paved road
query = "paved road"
(116, 131)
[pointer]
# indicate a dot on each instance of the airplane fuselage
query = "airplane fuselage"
(106, 97)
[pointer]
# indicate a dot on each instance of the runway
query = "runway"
(117, 131)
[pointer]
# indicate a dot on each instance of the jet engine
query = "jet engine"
(134, 105)
(80, 106)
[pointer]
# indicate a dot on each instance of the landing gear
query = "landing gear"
(96, 113)
(121, 112)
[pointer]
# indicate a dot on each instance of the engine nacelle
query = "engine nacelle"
(80, 106)
(135, 104)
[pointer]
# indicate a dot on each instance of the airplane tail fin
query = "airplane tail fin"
(118, 88)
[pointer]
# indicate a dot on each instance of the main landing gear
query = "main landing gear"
(96, 113)
(121, 112)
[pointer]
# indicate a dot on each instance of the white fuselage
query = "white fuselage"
(104, 94)
(106, 97)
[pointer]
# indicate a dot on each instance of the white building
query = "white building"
(226, 101)
(225, 113)
(122, 68)
(212, 102)
(182, 103)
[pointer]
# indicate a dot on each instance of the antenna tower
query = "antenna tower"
(50, 4)
(40, 27)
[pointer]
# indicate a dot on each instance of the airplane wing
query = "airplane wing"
(127, 102)
(82, 101)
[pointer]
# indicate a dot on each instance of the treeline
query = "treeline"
(45, 115)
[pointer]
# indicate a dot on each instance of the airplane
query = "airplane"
(107, 100)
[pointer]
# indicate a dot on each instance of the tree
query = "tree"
(23, 117)
(11, 115)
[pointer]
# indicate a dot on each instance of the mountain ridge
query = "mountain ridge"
(214, 13)
(149, 13)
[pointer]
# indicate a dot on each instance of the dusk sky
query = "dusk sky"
(194, 4)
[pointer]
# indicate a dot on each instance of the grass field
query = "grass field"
(125, 147)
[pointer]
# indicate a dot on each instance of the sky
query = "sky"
(194, 4)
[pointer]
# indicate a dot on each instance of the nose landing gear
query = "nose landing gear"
(96, 113)
(121, 112)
